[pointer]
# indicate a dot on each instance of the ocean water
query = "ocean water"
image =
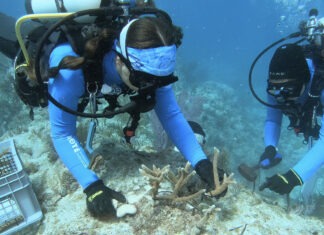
(224, 37)
(221, 40)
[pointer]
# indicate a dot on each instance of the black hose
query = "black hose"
(293, 35)
(111, 11)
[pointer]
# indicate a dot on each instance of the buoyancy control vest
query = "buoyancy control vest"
(31, 92)
(303, 118)
(68, 29)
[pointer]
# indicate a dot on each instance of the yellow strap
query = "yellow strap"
(93, 196)
(297, 176)
(283, 178)
(21, 66)
(22, 19)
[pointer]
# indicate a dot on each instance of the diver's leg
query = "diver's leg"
(8, 40)
(9, 48)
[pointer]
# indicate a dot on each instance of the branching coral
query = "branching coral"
(179, 180)
(95, 160)
(206, 214)
(219, 187)
(156, 176)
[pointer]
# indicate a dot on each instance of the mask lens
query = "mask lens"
(284, 91)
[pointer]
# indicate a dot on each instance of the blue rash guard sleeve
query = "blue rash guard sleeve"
(66, 88)
(176, 126)
(272, 125)
(314, 158)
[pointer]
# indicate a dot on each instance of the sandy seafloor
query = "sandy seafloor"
(232, 125)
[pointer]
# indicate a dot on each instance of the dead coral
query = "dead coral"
(95, 160)
(219, 187)
(155, 176)
(178, 181)
(207, 212)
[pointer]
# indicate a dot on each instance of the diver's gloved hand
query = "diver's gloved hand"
(282, 184)
(204, 169)
(270, 157)
(99, 199)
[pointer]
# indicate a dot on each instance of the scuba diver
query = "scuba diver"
(295, 89)
(127, 51)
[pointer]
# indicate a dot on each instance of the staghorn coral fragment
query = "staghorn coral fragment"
(95, 160)
(178, 182)
(200, 226)
(219, 187)
(207, 212)
(189, 197)
(155, 176)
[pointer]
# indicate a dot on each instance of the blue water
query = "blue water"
(223, 37)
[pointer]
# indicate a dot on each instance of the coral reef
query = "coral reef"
(229, 125)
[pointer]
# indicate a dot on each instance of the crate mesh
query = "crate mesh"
(10, 214)
(7, 164)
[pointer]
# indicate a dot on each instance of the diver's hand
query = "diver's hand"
(270, 157)
(282, 184)
(204, 169)
(99, 199)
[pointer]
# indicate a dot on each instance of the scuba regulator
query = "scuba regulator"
(314, 30)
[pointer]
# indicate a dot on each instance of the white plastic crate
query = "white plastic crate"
(19, 207)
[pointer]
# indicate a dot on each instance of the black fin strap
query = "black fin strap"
(60, 6)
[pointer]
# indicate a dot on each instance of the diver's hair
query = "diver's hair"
(95, 49)
(147, 32)
(150, 32)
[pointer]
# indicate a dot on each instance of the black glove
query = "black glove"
(282, 184)
(99, 199)
(204, 169)
(269, 157)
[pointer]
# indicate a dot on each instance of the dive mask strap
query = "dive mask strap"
(123, 38)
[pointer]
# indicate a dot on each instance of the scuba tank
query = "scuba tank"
(59, 6)
(54, 6)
